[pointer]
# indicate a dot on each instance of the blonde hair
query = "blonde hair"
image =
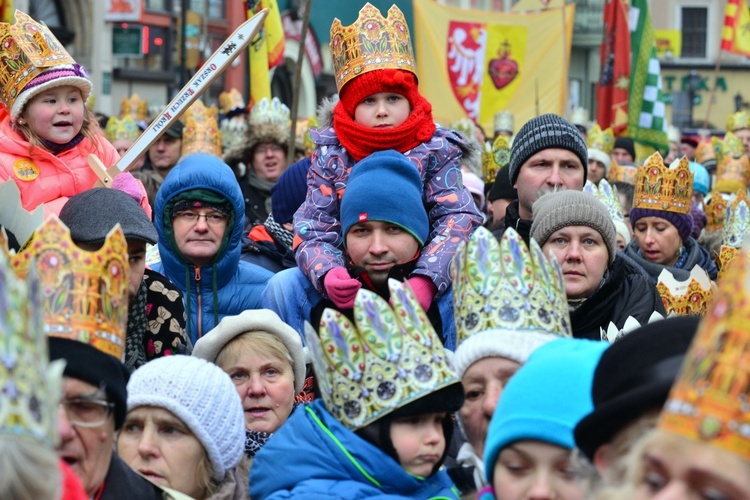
(204, 472)
(22, 466)
(261, 343)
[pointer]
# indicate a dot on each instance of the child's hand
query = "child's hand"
(424, 289)
(341, 288)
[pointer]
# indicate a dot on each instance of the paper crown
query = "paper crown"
(231, 101)
(737, 121)
(733, 169)
(659, 187)
(387, 358)
(508, 286)
(495, 158)
(84, 294)
(715, 208)
(612, 334)
(603, 140)
(622, 173)
(233, 132)
(30, 386)
(709, 399)
(124, 129)
(503, 121)
(674, 134)
(371, 42)
(302, 138)
(689, 297)
(579, 116)
(704, 153)
(134, 106)
(266, 112)
(731, 145)
(463, 126)
(201, 133)
(607, 194)
(27, 49)
(735, 230)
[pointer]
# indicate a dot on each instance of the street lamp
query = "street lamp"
(694, 81)
(738, 103)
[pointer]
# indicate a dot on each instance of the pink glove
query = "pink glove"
(341, 288)
(424, 289)
(131, 186)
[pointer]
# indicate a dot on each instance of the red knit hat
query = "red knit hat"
(397, 81)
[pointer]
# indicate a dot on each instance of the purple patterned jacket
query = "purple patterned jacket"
(451, 210)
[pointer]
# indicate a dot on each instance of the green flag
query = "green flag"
(647, 122)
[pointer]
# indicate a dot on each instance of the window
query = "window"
(694, 31)
(155, 47)
(160, 5)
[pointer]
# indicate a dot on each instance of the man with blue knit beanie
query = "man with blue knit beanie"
(532, 427)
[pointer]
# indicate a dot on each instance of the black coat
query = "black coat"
(626, 292)
(125, 484)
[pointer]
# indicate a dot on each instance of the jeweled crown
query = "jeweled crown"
(704, 152)
(231, 101)
(201, 133)
(733, 169)
(84, 294)
(369, 43)
(507, 285)
(661, 187)
(270, 112)
(715, 208)
(495, 158)
(607, 194)
(134, 106)
(121, 129)
(735, 230)
(689, 297)
(29, 384)
(603, 140)
(737, 121)
(709, 400)
(387, 358)
(622, 173)
(27, 49)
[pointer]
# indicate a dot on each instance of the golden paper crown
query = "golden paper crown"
(312, 123)
(724, 260)
(622, 173)
(231, 101)
(709, 400)
(603, 140)
(30, 386)
(737, 121)
(201, 133)
(84, 294)
(134, 106)
(495, 158)
(508, 286)
(659, 187)
(704, 152)
(387, 358)
(27, 49)
(689, 297)
(731, 146)
(371, 42)
(503, 121)
(732, 174)
(124, 129)
(715, 208)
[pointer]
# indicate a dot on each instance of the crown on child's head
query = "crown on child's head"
(84, 294)
(201, 133)
(603, 140)
(124, 129)
(388, 357)
(661, 187)
(369, 43)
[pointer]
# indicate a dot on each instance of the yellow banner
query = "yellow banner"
(668, 43)
(474, 63)
(527, 5)
(266, 50)
(6, 11)
(742, 30)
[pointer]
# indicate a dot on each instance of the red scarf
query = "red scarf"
(361, 141)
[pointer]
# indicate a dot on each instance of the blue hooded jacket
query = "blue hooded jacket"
(313, 456)
(227, 287)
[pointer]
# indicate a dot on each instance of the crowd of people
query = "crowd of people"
(405, 309)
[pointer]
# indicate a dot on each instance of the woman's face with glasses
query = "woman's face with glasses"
(87, 429)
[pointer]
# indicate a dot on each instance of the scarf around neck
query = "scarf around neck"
(56, 149)
(261, 185)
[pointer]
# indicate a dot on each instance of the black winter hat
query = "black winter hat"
(502, 188)
(92, 214)
(546, 132)
(627, 144)
(634, 375)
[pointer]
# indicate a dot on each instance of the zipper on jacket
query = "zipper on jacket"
(200, 301)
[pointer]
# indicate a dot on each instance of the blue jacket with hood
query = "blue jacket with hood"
(227, 286)
(314, 456)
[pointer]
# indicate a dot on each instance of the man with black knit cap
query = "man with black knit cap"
(548, 154)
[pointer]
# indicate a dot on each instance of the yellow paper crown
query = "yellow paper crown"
(27, 49)
(387, 358)
(201, 133)
(622, 173)
(371, 42)
(704, 152)
(30, 386)
(84, 294)
(124, 129)
(709, 399)
(495, 158)
(689, 297)
(230, 101)
(737, 121)
(661, 187)
(732, 174)
(134, 106)
(603, 140)
(731, 146)
(716, 211)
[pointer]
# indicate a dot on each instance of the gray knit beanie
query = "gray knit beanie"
(554, 211)
(546, 132)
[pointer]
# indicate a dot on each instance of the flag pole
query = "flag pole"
(536, 95)
(713, 90)
(306, 6)
(566, 86)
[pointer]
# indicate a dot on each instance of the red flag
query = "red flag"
(612, 89)
(730, 19)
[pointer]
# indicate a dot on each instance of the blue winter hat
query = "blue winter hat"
(701, 179)
(290, 191)
(545, 398)
(386, 187)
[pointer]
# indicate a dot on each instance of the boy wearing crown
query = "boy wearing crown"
(379, 108)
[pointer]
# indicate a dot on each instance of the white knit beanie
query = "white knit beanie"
(202, 396)
(498, 343)
(210, 345)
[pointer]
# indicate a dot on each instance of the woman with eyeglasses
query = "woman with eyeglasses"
(185, 427)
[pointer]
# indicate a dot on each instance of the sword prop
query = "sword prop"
(211, 69)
